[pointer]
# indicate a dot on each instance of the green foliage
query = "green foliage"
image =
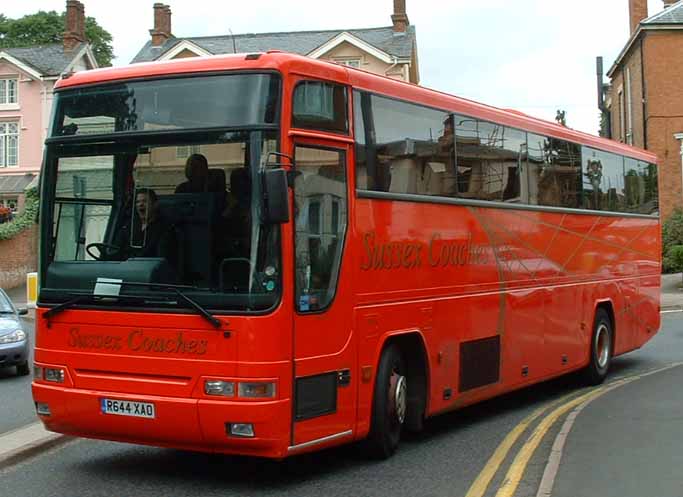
(672, 236)
(675, 256)
(24, 220)
(44, 28)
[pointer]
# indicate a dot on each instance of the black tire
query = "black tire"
(388, 408)
(601, 349)
(23, 369)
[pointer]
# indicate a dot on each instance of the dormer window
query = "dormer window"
(8, 91)
(349, 62)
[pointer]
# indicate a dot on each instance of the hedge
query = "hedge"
(24, 220)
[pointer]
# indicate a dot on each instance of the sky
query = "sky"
(535, 56)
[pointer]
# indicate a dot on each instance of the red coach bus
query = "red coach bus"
(266, 254)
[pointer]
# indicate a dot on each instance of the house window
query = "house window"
(629, 108)
(9, 144)
(8, 91)
(10, 203)
(349, 62)
(622, 117)
(185, 151)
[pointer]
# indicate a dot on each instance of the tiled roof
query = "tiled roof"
(670, 15)
(49, 60)
(301, 42)
(15, 183)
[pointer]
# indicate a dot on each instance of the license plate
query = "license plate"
(128, 408)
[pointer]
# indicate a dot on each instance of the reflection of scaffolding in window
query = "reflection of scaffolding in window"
(497, 177)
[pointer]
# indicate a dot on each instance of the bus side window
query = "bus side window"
(321, 212)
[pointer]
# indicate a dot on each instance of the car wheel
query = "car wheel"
(23, 369)
(389, 404)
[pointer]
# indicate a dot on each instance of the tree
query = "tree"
(44, 28)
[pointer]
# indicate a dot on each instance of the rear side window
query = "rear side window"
(320, 106)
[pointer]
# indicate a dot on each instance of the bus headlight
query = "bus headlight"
(256, 389)
(219, 387)
(55, 375)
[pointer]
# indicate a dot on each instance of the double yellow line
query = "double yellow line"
(562, 405)
(518, 466)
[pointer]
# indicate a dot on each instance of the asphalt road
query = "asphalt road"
(623, 443)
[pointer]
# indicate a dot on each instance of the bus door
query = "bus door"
(324, 352)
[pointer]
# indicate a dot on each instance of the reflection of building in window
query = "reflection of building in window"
(488, 160)
(183, 152)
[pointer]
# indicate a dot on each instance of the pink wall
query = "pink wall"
(30, 116)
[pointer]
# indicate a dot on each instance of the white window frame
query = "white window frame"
(629, 108)
(622, 115)
(5, 102)
(354, 62)
(5, 135)
(11, 203)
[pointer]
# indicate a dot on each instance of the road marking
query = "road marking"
(479, 486)
(553, 466)
(516, 471)
(673, 310)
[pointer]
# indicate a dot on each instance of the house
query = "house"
(643, 103)
(390, 51)
(27, 78)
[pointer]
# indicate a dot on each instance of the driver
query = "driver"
(152, 236)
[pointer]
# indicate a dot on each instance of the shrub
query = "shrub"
(22, 221)
(675, 256)
(672, 235)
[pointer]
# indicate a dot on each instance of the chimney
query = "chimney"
(400, 18)
(162, 24)
(669, 3)
(74, 33)
(638, 11)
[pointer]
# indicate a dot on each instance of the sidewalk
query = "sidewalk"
(18, 297)
(672, 294)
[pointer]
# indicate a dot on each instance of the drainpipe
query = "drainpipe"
(679, 137)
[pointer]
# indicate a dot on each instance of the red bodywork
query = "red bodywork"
(444, 273)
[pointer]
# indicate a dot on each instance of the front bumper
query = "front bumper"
(182, 423)
(13, 354)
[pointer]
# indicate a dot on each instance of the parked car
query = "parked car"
(14, 344)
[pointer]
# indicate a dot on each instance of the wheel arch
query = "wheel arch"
(608, 306)
(413, 348)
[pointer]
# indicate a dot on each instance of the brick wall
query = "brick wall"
(663, 103)
(18, 256)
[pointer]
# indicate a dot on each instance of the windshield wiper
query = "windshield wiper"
(177, 290)
(66, 305)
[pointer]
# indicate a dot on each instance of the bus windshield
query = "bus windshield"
(131, 202)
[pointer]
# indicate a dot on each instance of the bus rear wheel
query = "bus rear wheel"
(389, 404)
(601, 348)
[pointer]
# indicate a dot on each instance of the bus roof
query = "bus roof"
(288, 63)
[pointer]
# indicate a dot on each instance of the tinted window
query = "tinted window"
(412, 150)
(321, 106)
(194, 102)
(489, 158)
(554, 172)
(640, 182)
(603, 181)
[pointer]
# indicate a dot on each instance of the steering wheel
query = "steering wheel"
(102, 248)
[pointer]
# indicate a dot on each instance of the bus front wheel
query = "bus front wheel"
(389, 404)
(601, 348)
